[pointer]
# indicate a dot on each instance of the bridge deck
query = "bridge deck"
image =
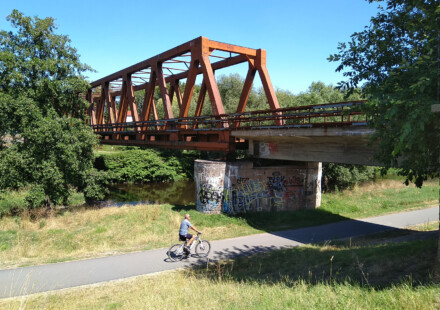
(221, 133)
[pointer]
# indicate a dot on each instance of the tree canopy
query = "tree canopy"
(45, 143)
(395, 60)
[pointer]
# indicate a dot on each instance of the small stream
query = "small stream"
(175, 193)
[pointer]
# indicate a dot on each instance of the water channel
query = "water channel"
(175, 193)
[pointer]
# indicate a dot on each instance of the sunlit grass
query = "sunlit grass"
(429, 226)
(370, 277)
(78, 233)
(379, 198)
(177, 290)
(84, 233)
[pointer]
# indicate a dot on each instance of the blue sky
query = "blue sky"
(298, 35)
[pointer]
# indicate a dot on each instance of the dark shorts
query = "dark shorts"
(186, 237)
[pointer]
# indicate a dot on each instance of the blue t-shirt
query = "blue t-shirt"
(184, 227)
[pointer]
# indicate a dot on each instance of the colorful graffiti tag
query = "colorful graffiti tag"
(243, 188)
(209, 197)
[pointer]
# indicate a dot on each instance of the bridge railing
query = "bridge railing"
(325, 115)
(214, 132)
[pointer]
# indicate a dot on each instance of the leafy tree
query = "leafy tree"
(148, 165)
(45, 141)
(319, 93)
(396, 57)
(340, 177)
(286, 99)
(230, 87)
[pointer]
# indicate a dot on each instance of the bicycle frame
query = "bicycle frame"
(179, 248)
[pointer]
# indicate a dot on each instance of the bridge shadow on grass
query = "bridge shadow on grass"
(265, 221)
(363, 253)
(379, 261)
(303, 226)
(277, 221)
(186, 208)
(331, 248)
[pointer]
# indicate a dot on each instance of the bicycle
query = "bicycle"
(177, 252)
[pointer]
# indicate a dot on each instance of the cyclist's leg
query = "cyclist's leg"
(190, 238)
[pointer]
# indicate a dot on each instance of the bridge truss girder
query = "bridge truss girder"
(166, 71)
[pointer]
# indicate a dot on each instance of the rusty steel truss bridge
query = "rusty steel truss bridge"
(115, 117)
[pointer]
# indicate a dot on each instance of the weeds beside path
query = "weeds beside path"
(84, 233)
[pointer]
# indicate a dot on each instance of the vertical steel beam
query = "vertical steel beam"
(149, 98)
(163, 91)
(110, 104)
(189, 88)
(175, 88)
(123, 105)
(91, 110)
(171, 93)
(94, 114)
(100, 107)
(154, 108)
(211, 85)
(247, 87)
(200, 102)
(123, 108)
(131, 99)
(260, 63)
(178, 92)
(114, 107)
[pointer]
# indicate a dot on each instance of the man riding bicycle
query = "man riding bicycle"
(184, 235)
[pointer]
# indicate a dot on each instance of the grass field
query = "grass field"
(325, 276)
(381, 197)
(80, 233)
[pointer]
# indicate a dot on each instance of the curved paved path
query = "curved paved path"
(28, 280)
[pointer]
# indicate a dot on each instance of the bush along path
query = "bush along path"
(23, 281)
(135, 165)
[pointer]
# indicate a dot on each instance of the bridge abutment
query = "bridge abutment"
(240, 187)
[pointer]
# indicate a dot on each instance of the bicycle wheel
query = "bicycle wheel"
(176, 253)
(203, 248)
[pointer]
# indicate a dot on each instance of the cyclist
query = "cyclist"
(184, 235)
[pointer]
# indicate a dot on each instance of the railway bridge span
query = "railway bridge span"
(124, 111)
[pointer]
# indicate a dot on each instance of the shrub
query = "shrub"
(12, 202)
(147, 165)
(35, 197)
(339, 176)
(96, 186)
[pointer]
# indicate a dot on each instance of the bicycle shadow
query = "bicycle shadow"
(185, 259)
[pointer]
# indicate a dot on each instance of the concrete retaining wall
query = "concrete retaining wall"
(239, 187)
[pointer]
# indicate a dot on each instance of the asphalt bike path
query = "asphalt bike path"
(34, 279)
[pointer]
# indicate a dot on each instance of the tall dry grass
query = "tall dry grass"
(81, 233)
(85, 233)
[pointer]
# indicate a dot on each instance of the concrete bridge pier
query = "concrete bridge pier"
(239, 187)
